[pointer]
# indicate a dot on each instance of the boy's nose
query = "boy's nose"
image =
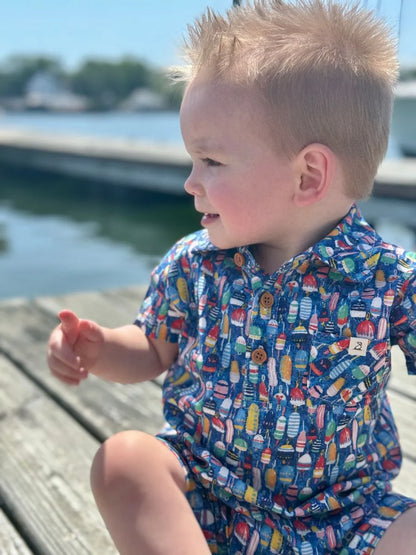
(193, 185)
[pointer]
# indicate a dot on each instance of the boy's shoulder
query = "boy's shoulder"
(356, 251)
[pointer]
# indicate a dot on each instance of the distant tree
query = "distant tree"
(107, 83)
(17, 71)
(407, 73)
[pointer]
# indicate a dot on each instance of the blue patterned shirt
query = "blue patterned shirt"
(278, 396)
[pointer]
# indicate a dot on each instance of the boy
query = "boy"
(276, 321)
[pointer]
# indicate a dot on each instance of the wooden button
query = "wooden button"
(239, 259)
(266, 300)
(259, 355)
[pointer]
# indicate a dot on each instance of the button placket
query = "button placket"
(261, 314)
(265, 305)
(239, 259)
(267, 299)
(259, 356)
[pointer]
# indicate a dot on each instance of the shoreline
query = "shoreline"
(145, 165)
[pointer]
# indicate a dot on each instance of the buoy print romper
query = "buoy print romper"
(277, 404)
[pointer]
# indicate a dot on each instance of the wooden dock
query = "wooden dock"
(155, 167)
(49, 432)
(136, 164)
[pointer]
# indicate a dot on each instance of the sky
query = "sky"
(72, 30)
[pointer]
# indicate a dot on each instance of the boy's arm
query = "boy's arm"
(125, 354)
(129, 356)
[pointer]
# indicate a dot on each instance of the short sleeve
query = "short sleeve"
(403, 322)
(164, 313)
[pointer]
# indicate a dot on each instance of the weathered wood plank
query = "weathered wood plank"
(402, 395)
(108, 308)
(107, 408)
(104, 408)
(400, 380)
(404, 410)
(116, 161)
(10, 541)
(405, 483)
(128, 162)
(45, 458)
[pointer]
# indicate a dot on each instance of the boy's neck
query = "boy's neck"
(309, 231)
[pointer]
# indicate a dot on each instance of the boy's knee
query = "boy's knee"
(400, 536)
(118, 460)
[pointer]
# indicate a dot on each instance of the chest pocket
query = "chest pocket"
(344, 370)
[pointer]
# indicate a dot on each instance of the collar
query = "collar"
(201, 242)
(351, 250)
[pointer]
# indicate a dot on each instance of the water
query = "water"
(58, 235)
(151, 126)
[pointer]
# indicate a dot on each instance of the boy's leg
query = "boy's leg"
(139, 488)
(400, 536)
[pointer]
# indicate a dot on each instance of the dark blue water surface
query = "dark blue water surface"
(58, 236)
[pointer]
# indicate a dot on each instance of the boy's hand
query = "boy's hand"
(74, 347)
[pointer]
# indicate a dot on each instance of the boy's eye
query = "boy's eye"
(211, 162)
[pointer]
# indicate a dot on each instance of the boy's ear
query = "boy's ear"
(316, 167)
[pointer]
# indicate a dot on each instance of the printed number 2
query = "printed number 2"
(358, 346)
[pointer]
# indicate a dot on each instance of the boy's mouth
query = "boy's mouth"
(208, 218)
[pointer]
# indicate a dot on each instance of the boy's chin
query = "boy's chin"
(222, 243)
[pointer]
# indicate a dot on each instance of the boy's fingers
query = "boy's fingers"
(62, 355)
(68, 378)
(90, 330)
(65, 371)
(70, 325)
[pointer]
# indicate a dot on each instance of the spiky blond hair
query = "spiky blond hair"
(325, 69)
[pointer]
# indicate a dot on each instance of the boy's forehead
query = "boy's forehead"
(216, 116)
(208, 122)
(220, 101)
(227, 93)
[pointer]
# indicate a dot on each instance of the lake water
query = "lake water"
(59, 235)
(150, 126)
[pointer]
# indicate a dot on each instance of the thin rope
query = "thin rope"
(400, 18)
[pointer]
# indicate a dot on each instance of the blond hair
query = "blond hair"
(325, 69)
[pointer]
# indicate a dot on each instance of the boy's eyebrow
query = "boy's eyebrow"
(204, 145)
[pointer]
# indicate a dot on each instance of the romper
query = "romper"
(277, 403)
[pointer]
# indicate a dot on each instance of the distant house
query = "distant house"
(143, 99)
(45, 91)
